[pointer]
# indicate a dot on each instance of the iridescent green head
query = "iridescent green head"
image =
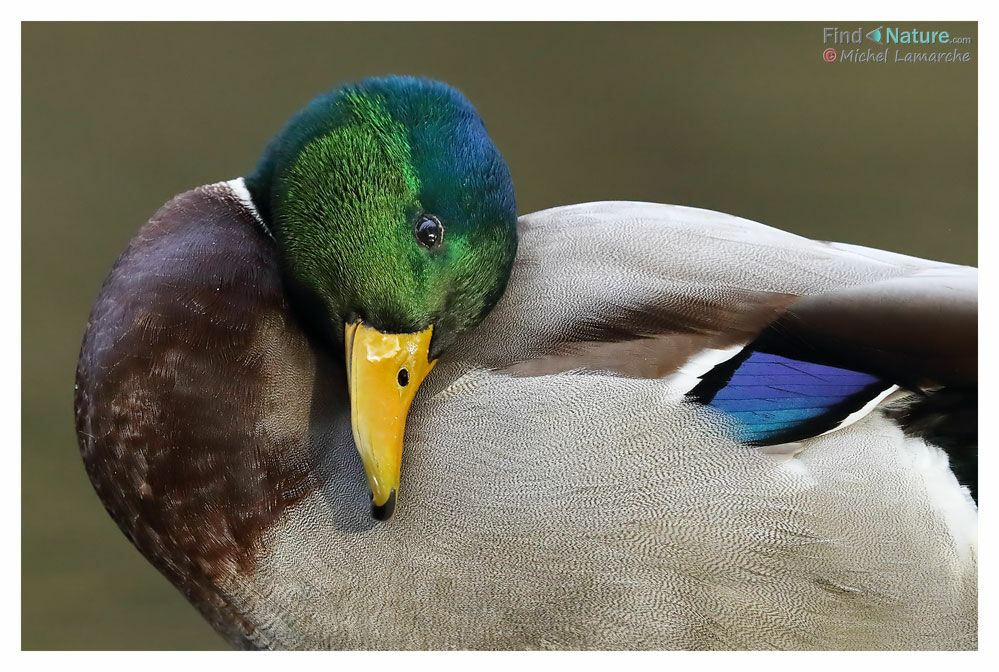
(391, 205)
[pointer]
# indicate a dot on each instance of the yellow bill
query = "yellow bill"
(383, 373)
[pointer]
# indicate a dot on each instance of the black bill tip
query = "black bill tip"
(385, 511)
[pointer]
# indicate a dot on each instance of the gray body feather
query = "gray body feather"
(559, 492)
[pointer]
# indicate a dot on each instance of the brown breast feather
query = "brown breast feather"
(193, 398)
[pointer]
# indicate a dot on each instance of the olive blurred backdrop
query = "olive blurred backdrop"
(742, 118)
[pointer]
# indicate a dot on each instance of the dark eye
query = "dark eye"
(429, 232)
(403, 377)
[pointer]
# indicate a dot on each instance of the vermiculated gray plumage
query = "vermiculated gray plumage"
(558, 489)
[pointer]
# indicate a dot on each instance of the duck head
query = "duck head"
(395, 218)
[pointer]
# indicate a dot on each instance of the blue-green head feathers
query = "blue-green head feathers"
(390, 203)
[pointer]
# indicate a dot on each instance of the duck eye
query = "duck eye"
(403, 377)
(429, 232)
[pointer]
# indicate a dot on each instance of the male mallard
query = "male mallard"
(674, 428)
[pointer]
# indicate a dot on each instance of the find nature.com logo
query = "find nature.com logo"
(901, 45)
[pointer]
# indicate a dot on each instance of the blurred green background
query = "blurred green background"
(743, 118)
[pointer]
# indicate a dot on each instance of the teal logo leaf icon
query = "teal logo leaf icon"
(875, 35)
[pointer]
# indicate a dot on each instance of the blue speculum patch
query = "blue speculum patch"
(774, 398)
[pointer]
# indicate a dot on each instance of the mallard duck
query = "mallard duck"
(352, 401)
